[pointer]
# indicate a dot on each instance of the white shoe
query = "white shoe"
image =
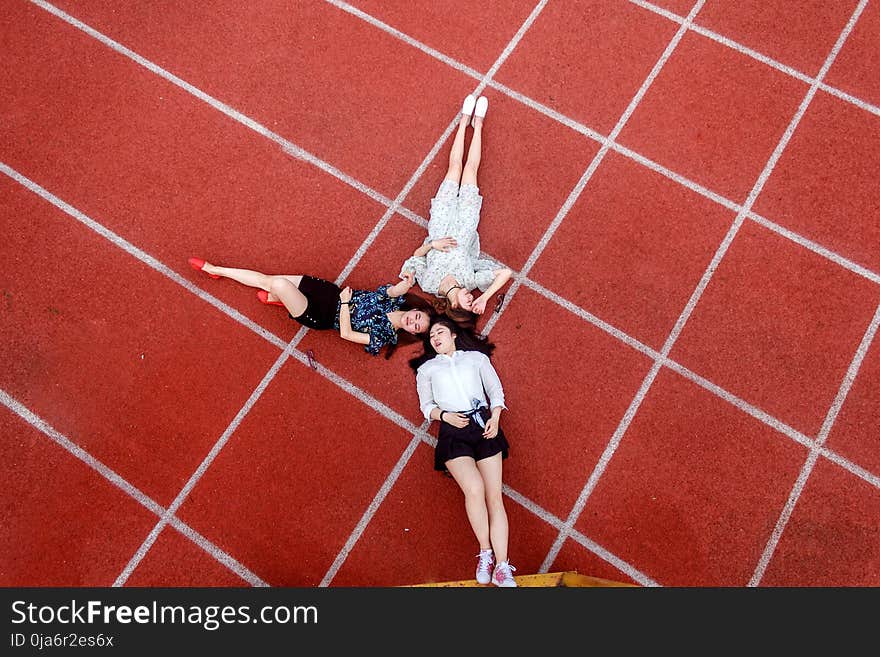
(502, 575)
(467, 107)
(484, 566)
(480, 108)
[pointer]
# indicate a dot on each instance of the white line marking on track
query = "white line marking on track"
(216, 552)
(594, 164)
(370, 511)
(741, 404)
(807, 469)
(852, 468)
(139, 254)
(397, 34)
(286, 145)
(203, 466)
(393, 475)
(704, 281)
(635, 574)
(125, 486)
(764, 59)
(301, 154)
(297, 152)
(590, 318)
(818, 249)
(68, 445)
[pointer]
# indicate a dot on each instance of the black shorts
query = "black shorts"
(453, 442)
(323, 303)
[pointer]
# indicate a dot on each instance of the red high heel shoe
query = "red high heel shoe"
(263, 296)
(198, 263)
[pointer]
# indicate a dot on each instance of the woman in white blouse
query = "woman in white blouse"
(448, 264)
(453, 388)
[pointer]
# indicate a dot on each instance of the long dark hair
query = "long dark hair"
(466, 339)
(412, 301)
(458, 315)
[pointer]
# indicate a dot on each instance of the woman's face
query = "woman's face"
(464, 298)
(442, 339)
(414, 321)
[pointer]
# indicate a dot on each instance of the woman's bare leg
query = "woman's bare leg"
(469, 174)
(287, 292)
(281, 287)
(456, 154)
(490, 471)
(464, 471)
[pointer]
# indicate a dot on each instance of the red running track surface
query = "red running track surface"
(689, 350)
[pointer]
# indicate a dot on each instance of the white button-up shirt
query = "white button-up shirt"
(451, 382)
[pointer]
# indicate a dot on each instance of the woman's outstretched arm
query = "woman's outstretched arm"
(404, 286)
(501, 277)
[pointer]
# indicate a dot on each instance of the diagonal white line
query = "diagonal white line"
(764, 59)
(288, 146)
(594, 164)
(627, 152)
(592, 546)
(360, 394)
(849, 98)
(298, 152)
(428, 50)
(849, 466)
(742, 405)
(216, 552)
(203, 466)
(818, 249)
(371, 509)
(620, 564)
(591, 318)
(704, 281)
(139, 254)
(807, 469)
(125, 486)
(68, 445)
(395, 472)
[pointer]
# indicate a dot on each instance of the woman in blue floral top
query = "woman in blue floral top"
(367, 317)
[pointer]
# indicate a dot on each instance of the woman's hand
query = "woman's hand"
(444, 244)
(408, 279)
(491, 429)
(479, 305)
(456, 419)
(345, 294)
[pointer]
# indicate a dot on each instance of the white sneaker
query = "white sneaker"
(467, 107)
(502, 576)
(480, 108)
(484, 566)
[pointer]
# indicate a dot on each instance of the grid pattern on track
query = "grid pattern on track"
(569, 528)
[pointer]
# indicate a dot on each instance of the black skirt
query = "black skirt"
(453, 442)
(323, 303)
